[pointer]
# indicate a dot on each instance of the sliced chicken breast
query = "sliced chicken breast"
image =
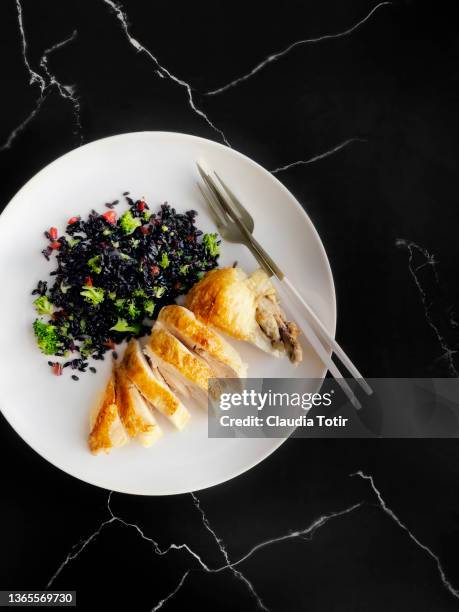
(184, 371)
(153, 387)
(134, 412)
(245, 308)
(106, 429)
(223, 359)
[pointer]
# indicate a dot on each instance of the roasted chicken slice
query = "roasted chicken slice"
(184, 371)
(223, 359)
(246, 308)
(106, 429)
(134, 412)
(153, 387)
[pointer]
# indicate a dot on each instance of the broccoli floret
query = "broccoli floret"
(184, 269)
(94, 264)
(120, 302)
(64, 328)
(211, 242)
(48, 339)
(123, 326)
(139, 293)
(93, 295)
(43, 306)
(164, 263)
(159, 291)
(128, 223)
(86, 348)
(132, 310)
(149, 307)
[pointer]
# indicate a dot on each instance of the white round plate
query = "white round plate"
(51, 413)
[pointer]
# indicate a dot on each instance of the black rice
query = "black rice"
(115, 272)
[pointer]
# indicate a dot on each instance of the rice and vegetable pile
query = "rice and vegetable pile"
(114, 272)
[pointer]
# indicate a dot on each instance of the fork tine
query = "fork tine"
(204, 175)
(228, 202)
(212, 185)
(223, 201)
(240, 209)
(218, 197)
(215, 211)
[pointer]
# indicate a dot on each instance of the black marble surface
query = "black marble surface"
(358, 117)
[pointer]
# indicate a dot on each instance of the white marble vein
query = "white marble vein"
(46, 81)
(239, 575)
(198, 563)
(422, 546)
(113, 518)
(275, 56)
(306, 533)
(319, 156)
(68, 92)
(448, 351)
(160, 69)
(21, 127)
(161, 603)
(78, 549)
(34, 77)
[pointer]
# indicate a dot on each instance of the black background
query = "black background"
(393, 84)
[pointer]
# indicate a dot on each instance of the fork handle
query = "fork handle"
(310, 335)
(305, 313)
(321, 330)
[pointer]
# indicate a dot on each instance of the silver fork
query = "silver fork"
(233, 226)
(228, 213)
(228, 229)
(242, 212)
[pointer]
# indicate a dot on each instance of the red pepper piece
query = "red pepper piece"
(110, 216)
(53, 233)
(55, 245)
(57, 369)
(72, 220)
(88, 282)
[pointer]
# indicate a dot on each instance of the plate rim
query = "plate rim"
(177, 135)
